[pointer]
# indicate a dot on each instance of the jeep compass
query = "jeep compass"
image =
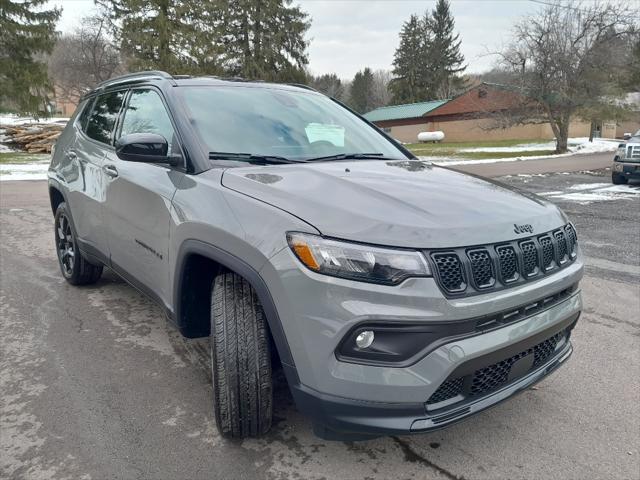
(395, 295)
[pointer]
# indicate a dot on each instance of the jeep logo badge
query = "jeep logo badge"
(525, 228)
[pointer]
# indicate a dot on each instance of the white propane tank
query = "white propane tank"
(430, 136)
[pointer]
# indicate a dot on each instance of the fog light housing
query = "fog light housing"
(365, 339)
(396, 344)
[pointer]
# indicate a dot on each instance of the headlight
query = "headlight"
(355, 261)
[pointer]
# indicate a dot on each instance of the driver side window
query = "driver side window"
(146, 113)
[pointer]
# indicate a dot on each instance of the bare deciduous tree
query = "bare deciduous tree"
(380, 92)
(329, 84)
(565, 61)
(83, 59)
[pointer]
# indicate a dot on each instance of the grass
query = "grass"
(453, 149)
(21, 157)
(459, 145)
(448, 149)
(526, 153)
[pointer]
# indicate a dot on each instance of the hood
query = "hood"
(397, 203)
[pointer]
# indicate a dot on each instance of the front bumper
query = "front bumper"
(627, 169)
(337, 418)
(317, 312)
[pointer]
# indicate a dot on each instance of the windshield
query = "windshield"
(277, 122)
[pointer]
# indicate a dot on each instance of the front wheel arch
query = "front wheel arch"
(196, 266)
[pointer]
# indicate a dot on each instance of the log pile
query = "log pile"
(31, 137)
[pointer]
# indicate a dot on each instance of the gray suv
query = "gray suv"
(396, 296)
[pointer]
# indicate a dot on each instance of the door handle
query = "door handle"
(110, 170)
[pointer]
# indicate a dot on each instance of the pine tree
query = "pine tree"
(361, 92)
(179, 36)
(264, 39)
(428, 60)
(27, 30)
(408, 63)
(446, 59)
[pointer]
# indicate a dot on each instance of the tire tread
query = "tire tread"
(241, 359)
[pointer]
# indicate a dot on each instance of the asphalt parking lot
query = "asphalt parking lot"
(94, 383)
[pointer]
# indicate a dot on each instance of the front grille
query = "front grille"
(544, 351)
(494, 267)
(633, 152)
(449, 389)
(450, 272)
(481, 268)
(529, 257)
(490, 378)
(548, 255)
(508, 263)
(571, 239)
(493, 377)
(561, 245)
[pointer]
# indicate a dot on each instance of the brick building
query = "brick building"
(469, 116)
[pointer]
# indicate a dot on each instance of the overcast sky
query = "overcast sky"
(346, 36)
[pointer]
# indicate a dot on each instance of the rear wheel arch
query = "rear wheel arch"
(56, 198)
(197, 265)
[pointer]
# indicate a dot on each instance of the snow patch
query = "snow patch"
(441, 161)
(586, 193)
(10, 120)
(575, 145)
(23, 171)
(588, 186)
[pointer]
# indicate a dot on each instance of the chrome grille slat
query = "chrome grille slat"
(465, 271)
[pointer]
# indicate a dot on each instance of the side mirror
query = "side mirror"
(145, 147)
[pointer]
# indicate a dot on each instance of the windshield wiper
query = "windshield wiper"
(250, 157)
(350, 156)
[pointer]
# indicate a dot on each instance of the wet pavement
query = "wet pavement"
(94, 383)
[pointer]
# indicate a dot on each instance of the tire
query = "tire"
(75, 268)
(618, 179)
(240, 359)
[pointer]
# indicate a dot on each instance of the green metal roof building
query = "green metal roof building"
(400, 112)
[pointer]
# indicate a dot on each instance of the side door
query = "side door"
(94, 135)
(138, 198)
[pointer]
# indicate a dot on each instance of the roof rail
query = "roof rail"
(130, 77)
(302, 85)
(232, 79)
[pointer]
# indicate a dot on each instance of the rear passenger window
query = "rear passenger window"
(145, 113)
(104, 115)
(84, 114)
